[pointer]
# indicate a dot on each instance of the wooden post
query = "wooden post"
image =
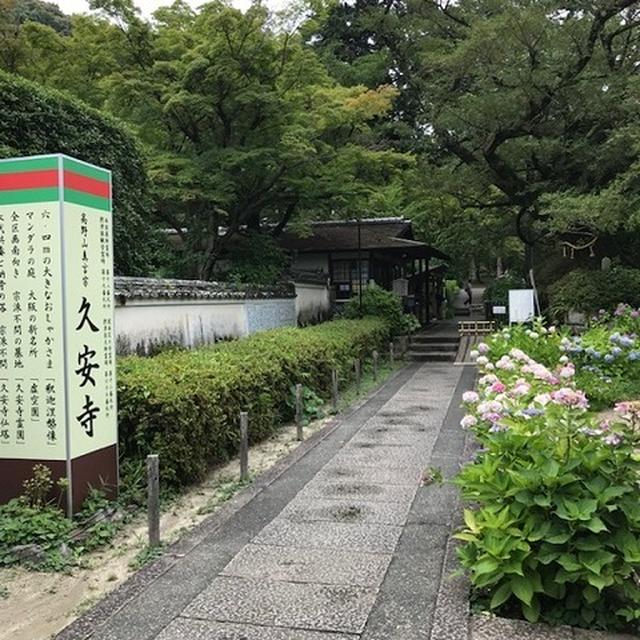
(391, 354)
(299, 412)
(375, 365)
(358, 372)
(244, 446)
(335, 398)
(153, 499)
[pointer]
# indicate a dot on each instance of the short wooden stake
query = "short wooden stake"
(153, 499)
(335, 397)
(358, 370)
(391, 353)
(244, 446)
(375, 365)
(299, 412)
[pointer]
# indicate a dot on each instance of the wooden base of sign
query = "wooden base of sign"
(98, 469)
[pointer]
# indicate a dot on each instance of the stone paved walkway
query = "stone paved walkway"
(341, 543)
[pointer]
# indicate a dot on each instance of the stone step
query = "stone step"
(433, 347)
(442, 356)
(425, 338)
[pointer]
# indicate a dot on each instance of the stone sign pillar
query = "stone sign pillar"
(57, 356)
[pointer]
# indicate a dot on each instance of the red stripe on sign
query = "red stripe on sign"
(86, 185)
(28, 180)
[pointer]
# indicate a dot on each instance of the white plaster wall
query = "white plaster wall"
(313, 302)
(189, 322)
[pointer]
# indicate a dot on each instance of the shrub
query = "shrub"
(384, 304)
(34, 120)
(184, 406)
(589, 291)
(607, 356)
(556, 532)
(498, 291)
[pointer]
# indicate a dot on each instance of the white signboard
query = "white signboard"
(521, 305)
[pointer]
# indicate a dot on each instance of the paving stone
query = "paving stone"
(372, 538)
(368, 490)
(396, 477)
(435, 504)
(493, 628)
(355, 510)
(325, 566)
(385, 436)
(188, 629)
(284, 604)
(382, 458)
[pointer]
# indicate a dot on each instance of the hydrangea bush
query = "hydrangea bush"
(555, 535)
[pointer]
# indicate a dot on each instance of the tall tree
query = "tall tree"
(532, 103)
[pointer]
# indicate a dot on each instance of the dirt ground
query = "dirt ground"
(36, 606)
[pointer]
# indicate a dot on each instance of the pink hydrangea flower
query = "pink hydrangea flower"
(570, 398)
(468, 421)
(613, 439)
(521, 389)
(505, 363)
(498, 387)
(567, 371)
(470, 397)
(518, 354)
(482, 347)
(543, 399)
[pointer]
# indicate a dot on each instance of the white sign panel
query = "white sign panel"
(521, 305)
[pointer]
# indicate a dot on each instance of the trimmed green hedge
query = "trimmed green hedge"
(184, 405)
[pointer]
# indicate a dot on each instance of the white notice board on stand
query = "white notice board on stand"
(521, 305)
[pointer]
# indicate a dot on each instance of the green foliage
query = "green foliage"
(536, 340)
(557, 529)
(22, 524)
(30, 520)
(37, 488)
(169, 402)
(256, 258)
(589, 291)
(555, 534)
(45, 13)
(242, 124)
(312, 404)
(146, 555)
(498, 291)
(34, 120)
(384, 304)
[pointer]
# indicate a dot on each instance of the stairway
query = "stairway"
(424, 347)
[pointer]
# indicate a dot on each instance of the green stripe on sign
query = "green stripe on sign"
(25, 196)
(85, 169)
(87, 200)
(28, 164)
